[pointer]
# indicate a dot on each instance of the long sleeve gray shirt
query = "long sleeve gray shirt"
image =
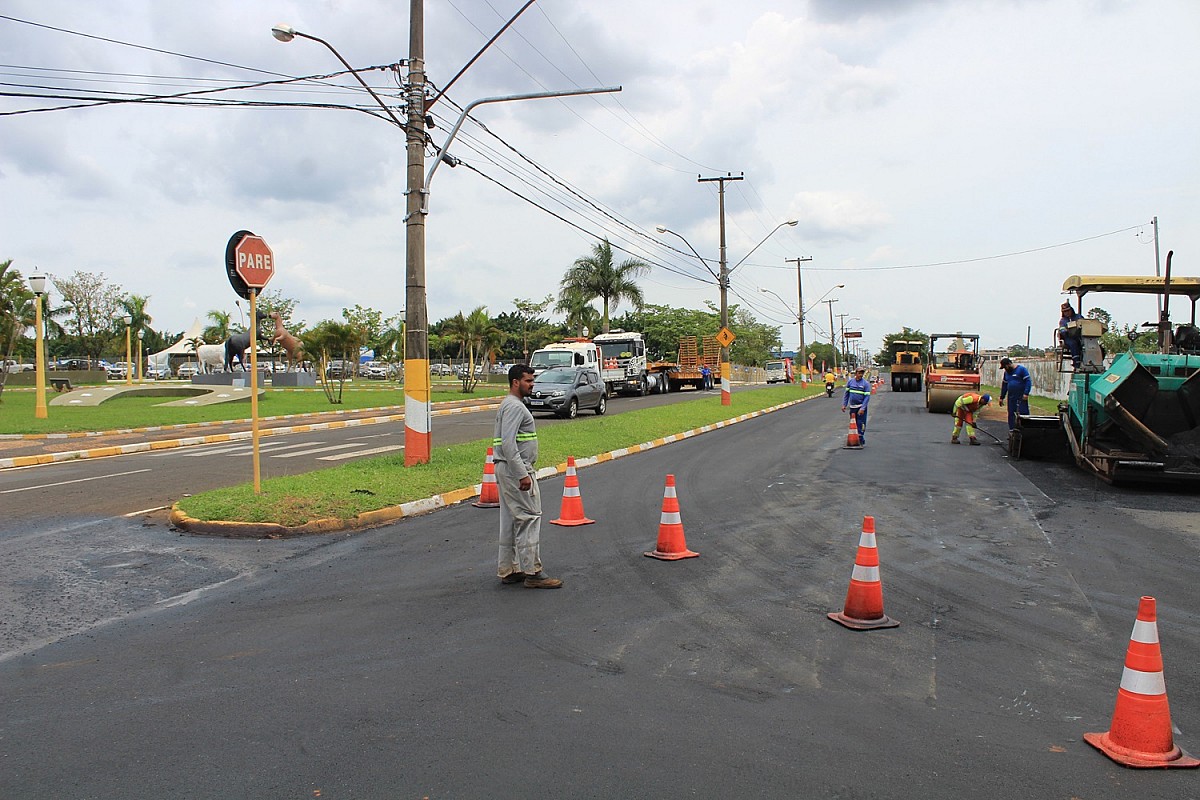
(515, 440)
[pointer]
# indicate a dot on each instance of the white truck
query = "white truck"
(567, 353)
(623, 363)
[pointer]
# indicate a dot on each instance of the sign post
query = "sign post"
(250, 264)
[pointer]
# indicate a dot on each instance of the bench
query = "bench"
(61, 384)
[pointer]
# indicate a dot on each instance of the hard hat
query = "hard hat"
(987, 398)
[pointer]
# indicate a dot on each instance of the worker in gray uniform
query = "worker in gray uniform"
(515, 451)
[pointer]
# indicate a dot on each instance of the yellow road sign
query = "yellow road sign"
(725, 337)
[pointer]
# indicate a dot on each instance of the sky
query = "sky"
(949, 162)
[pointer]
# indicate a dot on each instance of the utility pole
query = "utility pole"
(723, 279)
(832, 333)
(800, 300)
(417, 411)
(842, 327)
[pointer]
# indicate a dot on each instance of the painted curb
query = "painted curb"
(384, 516)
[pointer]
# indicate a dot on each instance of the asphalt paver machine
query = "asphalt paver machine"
(1135, 419)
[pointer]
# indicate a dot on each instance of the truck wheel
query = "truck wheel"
(644, 387)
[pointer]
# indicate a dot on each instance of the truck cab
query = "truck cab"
(623, 362)
(567, 353)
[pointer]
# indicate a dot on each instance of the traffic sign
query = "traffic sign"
(853, 334)
(725, 337)
(249, 263)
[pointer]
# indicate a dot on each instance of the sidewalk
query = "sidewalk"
(32, 449)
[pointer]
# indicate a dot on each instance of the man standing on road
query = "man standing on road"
(515, 451)
(858, 394)
(1017, 385)
(965, 409)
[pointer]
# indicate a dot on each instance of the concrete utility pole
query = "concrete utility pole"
(832, 333)
(723, 280)
(842, 327)
(417, 411)
(800, 298)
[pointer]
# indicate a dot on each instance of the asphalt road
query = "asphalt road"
(393, 664)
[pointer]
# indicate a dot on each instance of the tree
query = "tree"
(755, 341)
(595, 276)
(579, 312)
(665, 326)
(330, 340)
(476, 335)
(91, 305)
(528, 311)
(368, 322)
(219, 330)
(1120, 338)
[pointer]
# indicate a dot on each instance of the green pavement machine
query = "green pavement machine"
(1136, 418)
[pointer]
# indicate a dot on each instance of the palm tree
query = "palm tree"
(579, 312)
(135, 306)
(596, 276)
(219, 330)
(474, 334)
(327, 340)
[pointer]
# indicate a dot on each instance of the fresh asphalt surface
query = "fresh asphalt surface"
(393, 664)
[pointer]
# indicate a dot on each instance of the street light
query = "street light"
(723, 283)
(417, 409)
(799, 319)
(128, 352)
(38, 284)
(141, 335)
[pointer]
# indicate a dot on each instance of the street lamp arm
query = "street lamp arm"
(791, 222)
(285, 33)
(501, 99)
(664, 229)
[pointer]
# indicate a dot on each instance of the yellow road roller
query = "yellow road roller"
(953, 369)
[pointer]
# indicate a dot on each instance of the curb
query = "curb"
(215, 438)
(384, 516)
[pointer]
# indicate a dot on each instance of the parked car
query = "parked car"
(158, 373)
(440, 369)
(118, 371)
(339, 368)
(379, 371)
(565, 390)
(188, 369)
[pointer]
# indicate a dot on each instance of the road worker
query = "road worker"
(858, 394)
(965, 409)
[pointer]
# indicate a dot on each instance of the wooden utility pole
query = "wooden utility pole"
(800, 309)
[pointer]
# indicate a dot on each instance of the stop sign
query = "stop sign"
(253, 261)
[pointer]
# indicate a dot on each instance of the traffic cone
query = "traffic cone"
(489, 492)
(863, 609)
(671, 544)
(1140, 732)
(852, 434)
(572, 503)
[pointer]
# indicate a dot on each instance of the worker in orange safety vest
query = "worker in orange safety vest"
(965, 409)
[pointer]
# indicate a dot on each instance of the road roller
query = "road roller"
(953, 369)
(1132, 418)
(906, 366)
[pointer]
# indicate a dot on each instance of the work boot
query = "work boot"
(954, 440)
(973, 440)
(514, 577)
(541, 581)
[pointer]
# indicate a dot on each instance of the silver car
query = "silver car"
(565, 390)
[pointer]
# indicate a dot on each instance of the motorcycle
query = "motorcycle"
(829, 388)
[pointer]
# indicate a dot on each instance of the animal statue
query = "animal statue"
(211, 357)
(289, 343)
(235, 348)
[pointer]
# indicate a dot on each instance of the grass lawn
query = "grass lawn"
(120, 413)
(1038, 405)
(371, 484)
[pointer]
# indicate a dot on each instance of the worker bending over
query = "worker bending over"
(965, 409)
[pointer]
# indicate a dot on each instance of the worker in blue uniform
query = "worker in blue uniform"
(858, 394)
(1069, 334)
(1016, 386)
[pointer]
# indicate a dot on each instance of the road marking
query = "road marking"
(77, 480)
(243, 448)
(357, 453)
(144, 511)
(316, 450)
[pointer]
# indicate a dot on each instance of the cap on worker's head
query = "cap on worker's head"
(987, 398)
(860, 369)
(1066, 307)
(1004, 362)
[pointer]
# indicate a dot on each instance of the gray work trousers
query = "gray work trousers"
(520, 524)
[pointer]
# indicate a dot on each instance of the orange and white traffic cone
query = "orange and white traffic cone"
(1140, 733)
(863, 609)
(852, 434)
(572, 503)
(489, 492)
(671, 543)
